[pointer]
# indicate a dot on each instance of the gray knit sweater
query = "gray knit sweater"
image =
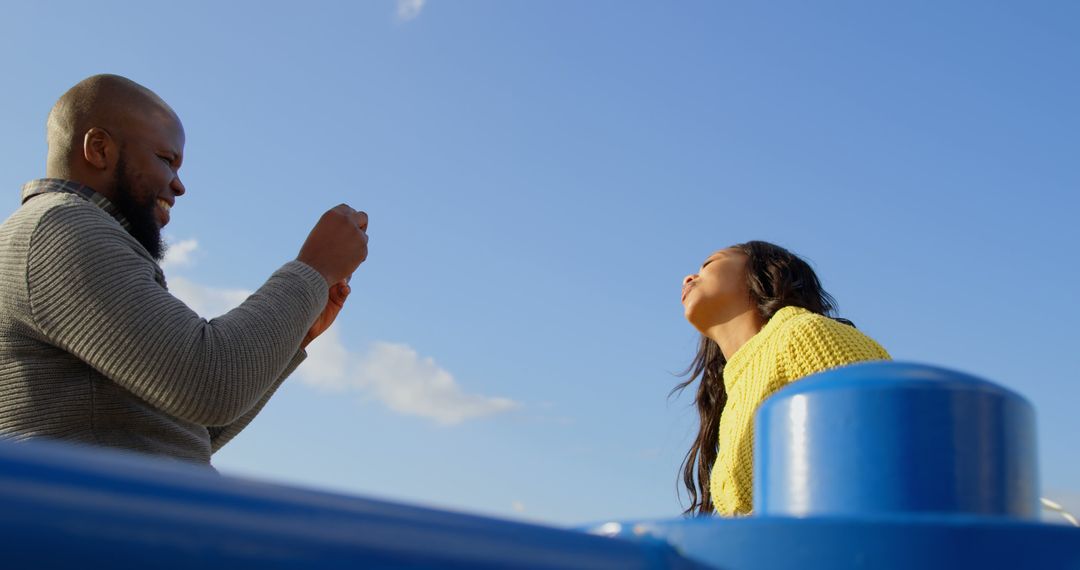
(94, 349)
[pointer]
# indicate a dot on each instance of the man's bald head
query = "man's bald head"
(121, 140)
(108, 102)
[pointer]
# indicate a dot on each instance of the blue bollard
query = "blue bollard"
(892, 438)
(888, 466)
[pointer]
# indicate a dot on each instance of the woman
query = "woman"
(763, 318)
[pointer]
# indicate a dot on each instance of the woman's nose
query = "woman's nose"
(688, 278)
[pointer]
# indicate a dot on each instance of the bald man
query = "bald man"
(93, 347)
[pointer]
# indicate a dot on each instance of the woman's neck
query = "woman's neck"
(736, 331)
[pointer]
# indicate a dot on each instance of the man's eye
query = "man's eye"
(166, 159)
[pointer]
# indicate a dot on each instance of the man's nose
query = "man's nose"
(178, 187)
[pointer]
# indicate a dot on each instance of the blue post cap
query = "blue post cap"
(892, 438)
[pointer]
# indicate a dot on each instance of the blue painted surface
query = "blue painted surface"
(890, 438)
(64, 507)
(903, 542)
(863, 435)
(887, 466)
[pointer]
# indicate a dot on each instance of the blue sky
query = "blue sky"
(541, 175)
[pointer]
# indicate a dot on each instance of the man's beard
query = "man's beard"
(142, 217)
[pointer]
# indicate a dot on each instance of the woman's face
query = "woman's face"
(718, 291)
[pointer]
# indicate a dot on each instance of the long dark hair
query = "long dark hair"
(776, 278)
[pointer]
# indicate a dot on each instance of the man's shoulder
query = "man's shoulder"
(60, 210)
(60, 201)
(61, 225)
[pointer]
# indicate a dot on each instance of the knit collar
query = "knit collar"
(46, 185)
(742, 358)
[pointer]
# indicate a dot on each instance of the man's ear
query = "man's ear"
(99, 149)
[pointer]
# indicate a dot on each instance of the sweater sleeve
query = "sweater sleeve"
(93, 293)
(221, 435)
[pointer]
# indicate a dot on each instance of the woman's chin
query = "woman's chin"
(696, 319)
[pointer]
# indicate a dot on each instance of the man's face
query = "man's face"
(146, 183)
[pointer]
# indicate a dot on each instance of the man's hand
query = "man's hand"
(338, 293)
(337, 245)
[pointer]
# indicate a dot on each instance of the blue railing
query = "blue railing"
(871, 466)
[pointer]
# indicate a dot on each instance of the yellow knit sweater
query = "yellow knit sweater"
(793, 344)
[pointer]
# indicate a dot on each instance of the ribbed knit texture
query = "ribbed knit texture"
(794, 343)
(94, 349)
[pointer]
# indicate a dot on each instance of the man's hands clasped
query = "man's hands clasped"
(336, 246)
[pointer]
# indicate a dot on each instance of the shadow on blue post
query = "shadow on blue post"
(884, 465)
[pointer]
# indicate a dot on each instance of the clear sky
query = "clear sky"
(541, 175)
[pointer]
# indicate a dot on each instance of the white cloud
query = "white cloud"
(518, 506)
(409, 9)
(327, 363)
(393, 374)
(208, 302)
(179, 253)
(410, 384)
(398, 377)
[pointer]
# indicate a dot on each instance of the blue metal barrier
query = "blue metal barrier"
(69, 507)
(882, 466)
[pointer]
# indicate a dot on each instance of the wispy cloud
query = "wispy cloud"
(409, 9)
(208, 302)
(393, 374)
(328, 363)
(397, 376)
(179, 254)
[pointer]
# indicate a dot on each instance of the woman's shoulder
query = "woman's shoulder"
(802, 328)
(793, 319)
(807, 343)
(789, 320)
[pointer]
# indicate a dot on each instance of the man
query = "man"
(93, 348)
